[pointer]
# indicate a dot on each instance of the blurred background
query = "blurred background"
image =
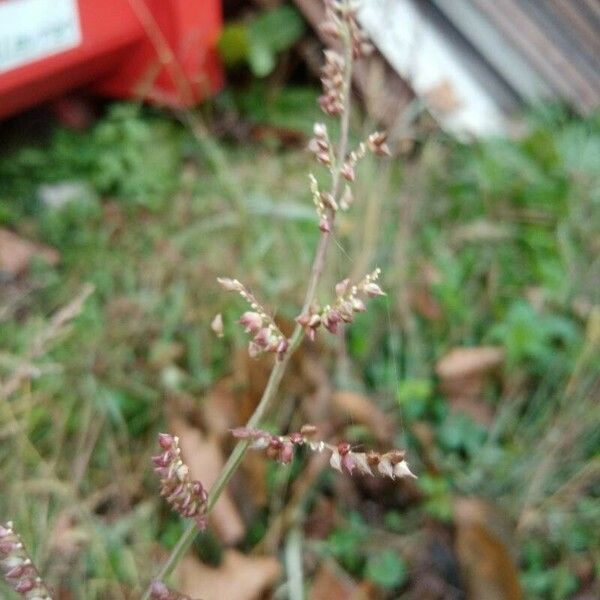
(148, 147)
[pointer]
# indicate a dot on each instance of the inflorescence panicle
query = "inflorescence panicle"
(377, 143)
(323, 151)
(324, 203)
(267, 337)
(17, 568)
(391, 464)
(340, 24)
(349, 300)
(185, 496)
(340, 19)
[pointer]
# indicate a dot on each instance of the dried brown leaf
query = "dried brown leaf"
(332, 582)
(254, 469)
(467, 362)
(483, 544)
(238, 577)
(363, 410)
(464, 373)
(16, 253)
(221, 408)
(425, 304)
(442, 97)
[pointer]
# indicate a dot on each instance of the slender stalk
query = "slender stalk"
(230, 467)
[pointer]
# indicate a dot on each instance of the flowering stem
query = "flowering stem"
(230, 467)
(321, 253)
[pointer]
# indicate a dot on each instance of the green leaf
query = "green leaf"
(413, 396)
(459, 432)
(259, 42)
(277, 29)
(346, 543)
(387, 569)
(234, 46)
(261, 59)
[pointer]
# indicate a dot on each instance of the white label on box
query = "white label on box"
(31, 30)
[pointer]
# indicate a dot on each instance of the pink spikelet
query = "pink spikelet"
(348, 302)
(267, 337)
(343, 458)
(184, 495)
(17, 569)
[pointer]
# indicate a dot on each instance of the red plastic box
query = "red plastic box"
(161, 50)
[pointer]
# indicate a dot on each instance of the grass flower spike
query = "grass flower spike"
(340, 163)
(391, 464)
(187, 497)
(348, 302)
(267, 336)
(17, 569)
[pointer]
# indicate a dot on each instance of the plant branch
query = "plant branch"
(230, 467)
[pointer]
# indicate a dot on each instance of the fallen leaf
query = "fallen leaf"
(16, 253)
(362, 409)
(254, 468)
(466, 362)
(203, 456)
(332, 582)
(316, 407)
(426, 436)
(442, 97)
(464, 373)
(425, 304)
(238, 577)
(421, 295)
(484, 542)
(221, 408)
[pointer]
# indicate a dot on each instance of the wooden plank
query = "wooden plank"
(585, 26)
(492, 45)
(458, 87)
(529, 38)
(570, 35)
(591, 6)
